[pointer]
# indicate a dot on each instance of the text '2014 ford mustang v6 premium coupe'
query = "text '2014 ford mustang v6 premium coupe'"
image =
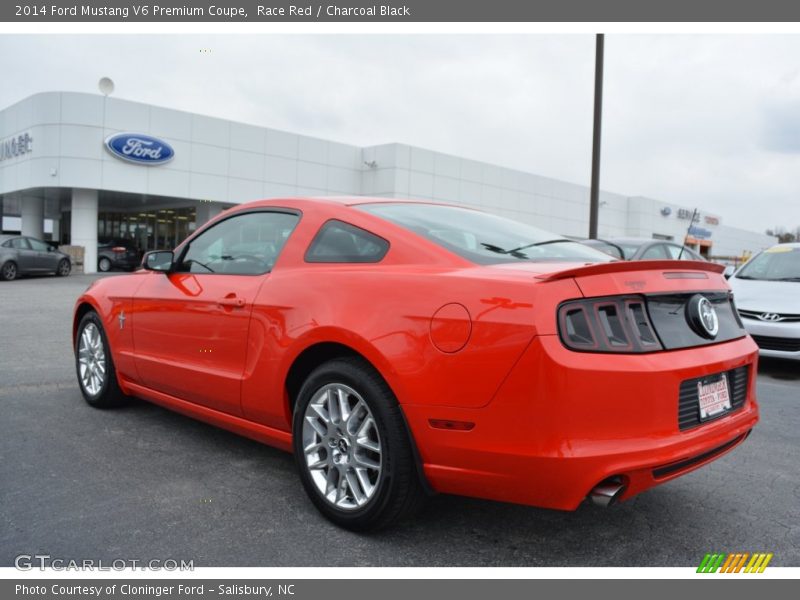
(399, 348)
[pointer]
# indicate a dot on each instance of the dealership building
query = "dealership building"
(77, 168)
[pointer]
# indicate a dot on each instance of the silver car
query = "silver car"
(767, 293)
(22, 255)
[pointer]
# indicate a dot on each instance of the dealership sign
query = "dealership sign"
(139, 148)
(699, 232)
(16, 146)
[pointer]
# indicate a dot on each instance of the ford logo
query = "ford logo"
(139, 148)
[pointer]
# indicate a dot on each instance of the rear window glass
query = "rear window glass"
(481, 237)
(340, 242)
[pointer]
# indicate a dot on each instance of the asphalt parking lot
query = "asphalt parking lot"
(143, 483)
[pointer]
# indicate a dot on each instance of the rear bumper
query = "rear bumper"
(563, 421)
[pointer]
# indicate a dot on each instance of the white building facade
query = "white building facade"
(61, 179)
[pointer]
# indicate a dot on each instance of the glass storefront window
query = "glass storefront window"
(155, 229)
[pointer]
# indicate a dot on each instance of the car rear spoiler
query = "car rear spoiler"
(675, 266)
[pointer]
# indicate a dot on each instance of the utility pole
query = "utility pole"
(594, 198)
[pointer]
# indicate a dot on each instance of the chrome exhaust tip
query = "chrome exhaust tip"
(606, 492)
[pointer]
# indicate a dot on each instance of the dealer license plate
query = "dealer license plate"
(713, 396)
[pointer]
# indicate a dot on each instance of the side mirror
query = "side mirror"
(729, 270)
(159, 260)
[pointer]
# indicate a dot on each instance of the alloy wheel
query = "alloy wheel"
(9, 271)
(342, 446)
(91, 359)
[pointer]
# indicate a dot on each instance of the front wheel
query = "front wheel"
(94, 364)
(351, 446)
(64, 268)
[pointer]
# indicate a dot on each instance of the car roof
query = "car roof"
(634, 240)
(339, 200)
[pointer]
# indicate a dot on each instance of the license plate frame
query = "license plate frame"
(713, 396)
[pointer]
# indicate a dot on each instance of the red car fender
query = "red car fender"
(265, 398)
(116, 313)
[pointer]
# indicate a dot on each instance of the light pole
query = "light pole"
(594, 198)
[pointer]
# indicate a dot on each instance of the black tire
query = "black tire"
(9, 271)
(104, 265)
(399, 492)
(109, 393)
(64, 267)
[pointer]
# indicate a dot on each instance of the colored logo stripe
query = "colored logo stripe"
(758, 563)
(734, 563)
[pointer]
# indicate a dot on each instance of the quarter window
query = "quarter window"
(339, 242)
(246, 244)
(677, 252)
(655, 252)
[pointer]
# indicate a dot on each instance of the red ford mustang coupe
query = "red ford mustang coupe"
(400, 348)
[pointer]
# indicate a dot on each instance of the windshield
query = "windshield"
(779, 263)
(481, 237)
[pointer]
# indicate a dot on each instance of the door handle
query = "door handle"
(231, 300)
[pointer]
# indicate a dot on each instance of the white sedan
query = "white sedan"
(767, 294)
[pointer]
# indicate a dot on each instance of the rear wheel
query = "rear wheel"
(104, 265)
(94, 364)
(351, 446)
(64, 268)
(9, 271)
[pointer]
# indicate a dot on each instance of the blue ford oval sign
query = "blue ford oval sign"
(139, 148)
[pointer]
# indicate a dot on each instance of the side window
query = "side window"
(655, 252)
(37, 245)
(612, 250)
(339, 242)
(675, 252)
(246, 244)
(20, 244)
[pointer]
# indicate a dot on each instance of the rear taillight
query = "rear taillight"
(119, 249)
(616, 324)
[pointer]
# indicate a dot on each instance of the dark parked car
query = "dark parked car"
(117, 254)
(22, 255)
(643, 249)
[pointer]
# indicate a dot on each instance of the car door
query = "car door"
(45, 258)
(190, 326)
(26, 258)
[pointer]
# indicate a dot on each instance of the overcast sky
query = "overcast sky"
(706, 121)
